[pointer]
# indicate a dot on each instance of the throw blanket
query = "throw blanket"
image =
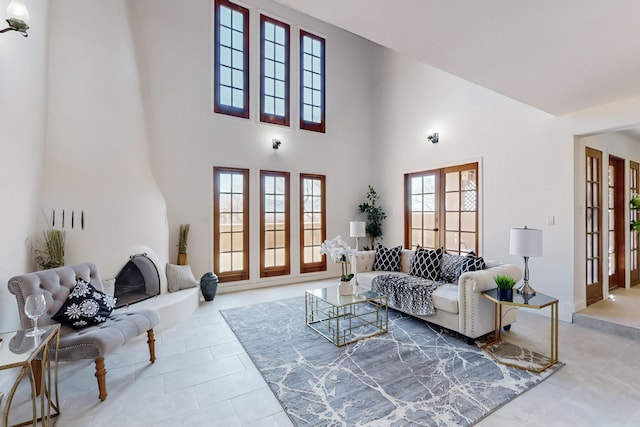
(408, 293)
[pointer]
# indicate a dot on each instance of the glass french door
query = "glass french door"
(593, 214)
(634, 253)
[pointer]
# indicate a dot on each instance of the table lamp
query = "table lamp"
(357, 230)
(526, 242)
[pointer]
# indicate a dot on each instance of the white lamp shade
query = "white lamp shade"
(357, 229)
(526, 242)
(18, 10)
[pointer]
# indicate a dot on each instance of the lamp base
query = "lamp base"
(526, 289)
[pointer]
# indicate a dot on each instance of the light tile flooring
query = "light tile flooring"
(203, 377)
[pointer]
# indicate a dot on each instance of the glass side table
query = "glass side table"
(538, 302)
(20, 351)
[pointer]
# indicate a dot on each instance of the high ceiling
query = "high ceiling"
(560, 56)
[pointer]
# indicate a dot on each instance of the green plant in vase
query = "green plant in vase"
(505, 286)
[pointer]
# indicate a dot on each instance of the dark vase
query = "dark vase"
(209, 286)
(505, 294)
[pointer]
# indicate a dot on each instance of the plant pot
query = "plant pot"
(345, 288)
(209, 286)
(182, 259)
(505, 294)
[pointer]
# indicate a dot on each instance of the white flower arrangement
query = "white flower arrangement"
(339, 251)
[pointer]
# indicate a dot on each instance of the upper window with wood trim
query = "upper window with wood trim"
(274, 71)
(312, 82)
(441, 209)
(274, 224)
(313, 228)
(231, 57)
(231, 223)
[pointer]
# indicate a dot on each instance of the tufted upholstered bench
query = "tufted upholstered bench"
(93, 342)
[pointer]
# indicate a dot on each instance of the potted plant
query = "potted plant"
(375, 215)
(182, 244)
(634, 204)
(339, 251)
(505, 287)
(52, 253)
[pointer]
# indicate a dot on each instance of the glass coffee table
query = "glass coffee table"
(343, 319)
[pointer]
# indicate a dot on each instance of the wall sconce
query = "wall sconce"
(275, 143)
(17, 17)
(434, 137)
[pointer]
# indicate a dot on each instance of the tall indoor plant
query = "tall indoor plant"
(375, 216)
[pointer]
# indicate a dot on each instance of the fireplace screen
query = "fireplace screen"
(137, 281)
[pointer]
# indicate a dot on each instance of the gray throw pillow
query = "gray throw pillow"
(449, 267)
(180, 277)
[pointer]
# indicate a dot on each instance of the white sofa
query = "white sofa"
(459, 306)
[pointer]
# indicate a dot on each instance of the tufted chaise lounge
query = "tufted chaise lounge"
(93, 342)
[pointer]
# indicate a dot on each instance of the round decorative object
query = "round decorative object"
(209, 286)
(345, 288)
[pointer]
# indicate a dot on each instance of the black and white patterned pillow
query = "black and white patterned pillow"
(471, 263)
(85, 306)
(387, 259)
(425, 263)
(449, 267)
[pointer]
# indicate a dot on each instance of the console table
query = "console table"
(20, 351)
(538, 302)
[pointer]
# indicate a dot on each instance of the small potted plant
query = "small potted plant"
(505, 287)
(339, 251)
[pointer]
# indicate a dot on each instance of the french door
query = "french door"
(634, 237)
(593, 213)
(441, 209)
(616, 228)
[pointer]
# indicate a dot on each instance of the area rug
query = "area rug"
(414, 375)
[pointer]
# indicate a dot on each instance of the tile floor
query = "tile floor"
(203, 377)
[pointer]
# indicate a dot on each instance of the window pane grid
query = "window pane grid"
(312, 65)
(274, 100)
(312, 222)
(274, 223)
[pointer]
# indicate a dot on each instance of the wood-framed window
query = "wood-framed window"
(313, 230)
(312, 82)
(274, 224)
(634, 237)
(593, 216)
(441, 209)
(231, 58)
(231, 223)
(274, 71)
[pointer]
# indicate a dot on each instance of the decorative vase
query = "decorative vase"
(345, 288)
(505, 294)
(209, 286)
(182, 259)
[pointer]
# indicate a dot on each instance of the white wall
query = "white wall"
(525, 156)
(22, 129)
(175, 54)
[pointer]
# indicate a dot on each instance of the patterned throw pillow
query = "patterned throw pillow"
(471, 263)
(85, 306)
(387, 259)
(449, 267)
(425, 263)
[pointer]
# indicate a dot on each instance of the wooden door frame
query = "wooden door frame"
(617, 279)
(633, 236)
(596, 293)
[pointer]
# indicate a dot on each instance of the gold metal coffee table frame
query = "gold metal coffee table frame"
(538, 301)
(343, 319)
(19, 351)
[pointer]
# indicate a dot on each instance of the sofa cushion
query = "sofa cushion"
(85, 306)
(449, 267)
(471, 263)
(387, 259)
(445, 298)
(425, 263)
(180, 277)
(365, 278)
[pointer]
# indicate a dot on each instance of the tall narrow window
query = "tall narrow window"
(312, 82)
(274, 71)
(442, 209)
(634, 237)
(312, 222)
(231, 223)
(274, 223)
(231, 53)
(593, 211)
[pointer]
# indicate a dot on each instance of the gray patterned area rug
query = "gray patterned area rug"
(414, 375)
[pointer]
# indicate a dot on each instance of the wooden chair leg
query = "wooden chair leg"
(101, 373)
(36, 367)
(152, 345)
